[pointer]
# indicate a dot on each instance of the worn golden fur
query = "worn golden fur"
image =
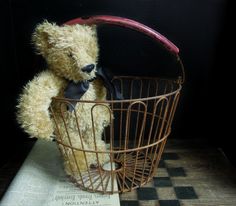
(66, 49)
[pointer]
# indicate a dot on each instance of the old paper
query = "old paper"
(41, 181)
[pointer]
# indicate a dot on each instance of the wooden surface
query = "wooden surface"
(198, 166)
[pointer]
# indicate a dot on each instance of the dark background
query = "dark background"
(202, 29)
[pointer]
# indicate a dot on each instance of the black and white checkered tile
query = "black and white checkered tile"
(161, 191)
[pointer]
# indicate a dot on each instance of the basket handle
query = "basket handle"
(128, 23)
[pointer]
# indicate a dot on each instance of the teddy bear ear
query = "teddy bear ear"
(42, 37)
(94, 29)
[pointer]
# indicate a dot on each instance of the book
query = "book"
(41, 181)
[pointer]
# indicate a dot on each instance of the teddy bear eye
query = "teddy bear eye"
(70, 55)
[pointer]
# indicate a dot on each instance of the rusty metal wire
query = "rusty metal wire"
(137, 134)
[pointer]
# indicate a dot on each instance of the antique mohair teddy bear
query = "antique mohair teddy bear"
(71, 53)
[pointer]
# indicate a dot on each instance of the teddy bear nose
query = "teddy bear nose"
(88, 68)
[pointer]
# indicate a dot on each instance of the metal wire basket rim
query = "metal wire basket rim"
(163, 96)
(117, 151)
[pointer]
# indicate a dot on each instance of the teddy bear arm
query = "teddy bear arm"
(33, 106)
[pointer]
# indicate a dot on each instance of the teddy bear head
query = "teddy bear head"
(70, 51)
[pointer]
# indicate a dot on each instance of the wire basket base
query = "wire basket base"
(130, 170)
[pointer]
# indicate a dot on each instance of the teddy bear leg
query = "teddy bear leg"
(76, 161)
(79, 162)
(101, 155)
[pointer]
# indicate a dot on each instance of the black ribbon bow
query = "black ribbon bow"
(77, 90)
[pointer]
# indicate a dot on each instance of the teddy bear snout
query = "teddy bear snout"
(88, 68)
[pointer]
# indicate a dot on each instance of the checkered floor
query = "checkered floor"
(161, 191)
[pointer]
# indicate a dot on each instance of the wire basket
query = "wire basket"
(138, 125)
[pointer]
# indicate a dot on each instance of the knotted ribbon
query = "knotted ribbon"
(77, 90)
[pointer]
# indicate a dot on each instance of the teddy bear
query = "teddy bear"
(71, 54)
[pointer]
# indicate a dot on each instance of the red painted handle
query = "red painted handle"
(129, 24)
